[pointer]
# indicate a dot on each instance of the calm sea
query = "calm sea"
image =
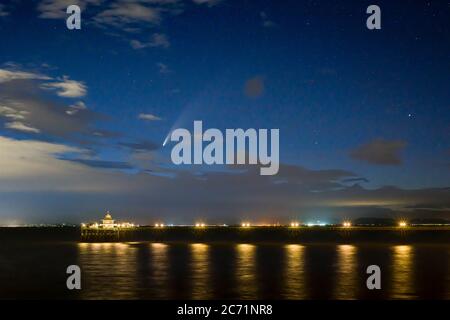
(143, 270)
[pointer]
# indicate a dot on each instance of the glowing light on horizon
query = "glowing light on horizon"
(245, 225)
(402, 224)
(318, 223)
(295, 224)
(346, 224)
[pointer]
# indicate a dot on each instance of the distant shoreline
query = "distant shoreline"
(235, 234)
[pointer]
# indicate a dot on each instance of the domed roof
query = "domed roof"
(108, 216)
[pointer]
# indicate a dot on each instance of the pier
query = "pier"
(116, 234)
(279, 234)
(107, 230)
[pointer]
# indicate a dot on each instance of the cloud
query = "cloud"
(157, 40)
(11, 75)
(56, 9)
(19, 126)
(163, 68)
(67, 88)
(27, 108)
(254, 87)
(140, 146)
(148, 117)
(23, 102)
(121, 14)
(10, 113)
(315, 179)
(136, 44)
(209, 3)
(35, 166)
(355, 180)
(137, 17)
(380, 152)
(49, 117)
(28, 158)
(34, 169)
(265, 21)
(64, 86)
(129, 16)
(77, 106)
(101, 163)
(3, 12)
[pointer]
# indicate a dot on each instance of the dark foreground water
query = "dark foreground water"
(143, 270)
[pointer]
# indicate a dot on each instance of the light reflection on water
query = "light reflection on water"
(109, 271)
(167, 271)
(200, 271)
(159, 272)
(448, 278)
(346, 273)
(294, 286)
(402, 272)
(245, 271)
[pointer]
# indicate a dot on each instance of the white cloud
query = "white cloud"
(136, 44)
(127, 16)
(80, 105)
(157, 40)
(30, 165)
(24, 107)
(28, 157)
(74, 108)
(10, 75)
(11, 113)
(148, 117)
(19, 126)
(67, 88)
(120, 14)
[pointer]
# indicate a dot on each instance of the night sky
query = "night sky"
(364, 115)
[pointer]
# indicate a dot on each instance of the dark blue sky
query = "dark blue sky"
(357, 106)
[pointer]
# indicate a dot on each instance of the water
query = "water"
(143, 270)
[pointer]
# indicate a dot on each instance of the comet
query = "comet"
(166, 139)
